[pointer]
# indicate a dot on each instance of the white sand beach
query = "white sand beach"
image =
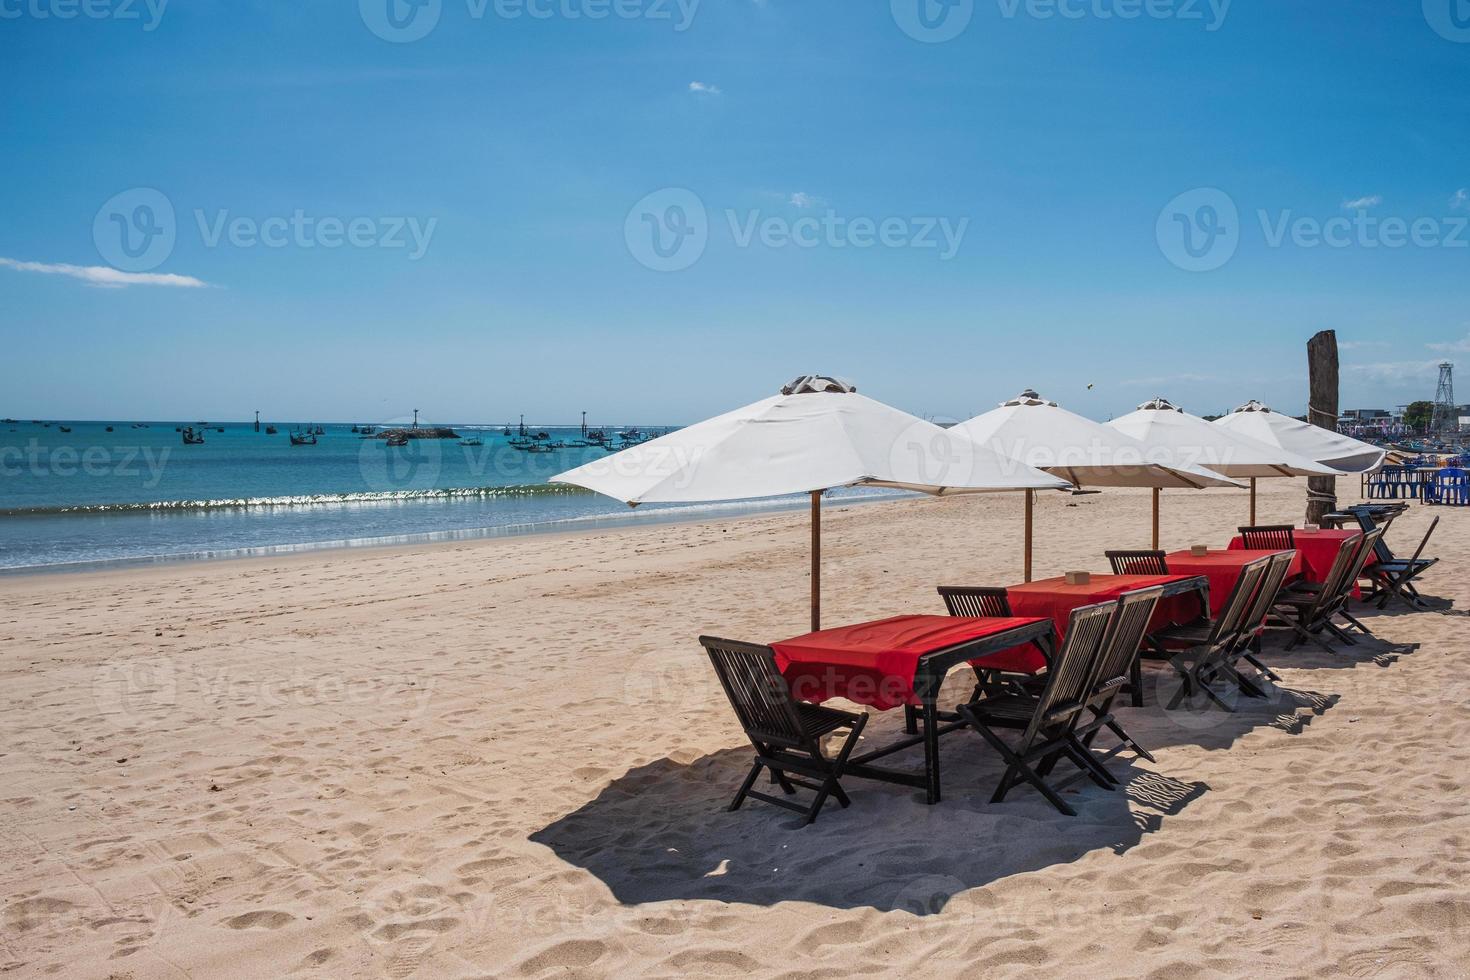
(511, 758)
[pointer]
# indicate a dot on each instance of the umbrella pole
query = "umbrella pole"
(816, 560)
(1030, 510)
(1253, 501)
(1157, 492)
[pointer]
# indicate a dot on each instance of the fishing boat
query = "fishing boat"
(472, 441)
(271, 430)
(397, 439)
(319, 431)
(109, 428)
(305, 438)
(192, 438)
(65, 428)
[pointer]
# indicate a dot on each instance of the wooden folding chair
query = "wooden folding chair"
(977, 600)
(1308, 611)
(1268, 537)
(1248, 640)
(786, 733)
(1201, 652)
(1046, 722)
(1115, 666)
(1393, 578)
(1138, 562)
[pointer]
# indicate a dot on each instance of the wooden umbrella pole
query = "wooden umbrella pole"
(1253, 501)
(1157, 493)
(816, 560)
(1030, 513)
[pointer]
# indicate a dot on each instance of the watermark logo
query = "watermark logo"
(932, 21)
(400, 21)
(667, 231)
(1449, 18)
(1210, 13)
(1199, 230)
(135, 686)
(388, 467)
(135, 231)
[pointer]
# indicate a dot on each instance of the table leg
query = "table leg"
(931, 751)
(910, 720)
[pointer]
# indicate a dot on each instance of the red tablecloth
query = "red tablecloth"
(1054, 599)
(1222, 568)
(874, 663)
(1316, 549)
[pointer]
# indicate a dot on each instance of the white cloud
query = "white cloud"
(801, 199)
(1460, 199)
(704, 88)
(1453, 346)
(1358, 204)
(1394, 372)
(103, 276)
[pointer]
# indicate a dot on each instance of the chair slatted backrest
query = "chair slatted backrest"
(1367, 552)
(1231, 620)
(1381, 550)
(1271, 585)
(1419, 551)
(975, 600)
(1087, 627)
(1337, 576)
(1268, 537)
(1125, 635)
(756, 690)
(1138, 562)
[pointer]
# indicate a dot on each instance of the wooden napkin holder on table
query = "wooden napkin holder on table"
(1199, 550)
(1310, 528)
(1078, 578)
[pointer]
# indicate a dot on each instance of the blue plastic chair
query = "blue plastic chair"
(1451, 486)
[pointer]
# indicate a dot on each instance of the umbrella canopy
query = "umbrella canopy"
(818, 433)
(1177, 438)
(1340, 452)
(1038, 432)
(1089, 454)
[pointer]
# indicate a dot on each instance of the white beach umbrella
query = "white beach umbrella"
(1343, 453)
(1177, 438)
(1039, 433)
(818, 433)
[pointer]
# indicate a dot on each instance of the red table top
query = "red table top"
(1222, 568)
(1055, 599)
(1316, 549)
(874, 663)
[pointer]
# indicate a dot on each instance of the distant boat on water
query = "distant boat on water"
(271, 430)
(472, 441)
(65, 428)
(192, 438)
(397, 439)
(303, 438)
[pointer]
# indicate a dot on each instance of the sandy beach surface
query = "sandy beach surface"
(510, 758)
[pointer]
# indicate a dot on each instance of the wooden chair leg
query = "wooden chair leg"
(755, 770)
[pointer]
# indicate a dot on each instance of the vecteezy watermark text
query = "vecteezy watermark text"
(34, 459)
(136, 230)
(669, 230)
(1200, 230)
(148, 12)
(404, 21)
(937, 21)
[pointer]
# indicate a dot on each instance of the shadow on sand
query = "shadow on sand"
(662, 832)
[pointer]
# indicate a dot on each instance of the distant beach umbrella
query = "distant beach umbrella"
(1177, 438)
(1342, 453)
(816, 434)
(1032, 430)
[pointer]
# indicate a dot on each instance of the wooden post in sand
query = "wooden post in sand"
(1322, 411)
(816, 560)
(1030, 512)
(1253, 501)
(1157, 493)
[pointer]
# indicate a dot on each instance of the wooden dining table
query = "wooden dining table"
(901, 661)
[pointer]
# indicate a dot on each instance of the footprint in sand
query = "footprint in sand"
(264, 919)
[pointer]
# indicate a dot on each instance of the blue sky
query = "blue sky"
(1066, 156)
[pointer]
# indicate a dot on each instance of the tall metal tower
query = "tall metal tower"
(1446, 418)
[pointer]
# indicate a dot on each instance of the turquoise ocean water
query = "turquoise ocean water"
(138, 494)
